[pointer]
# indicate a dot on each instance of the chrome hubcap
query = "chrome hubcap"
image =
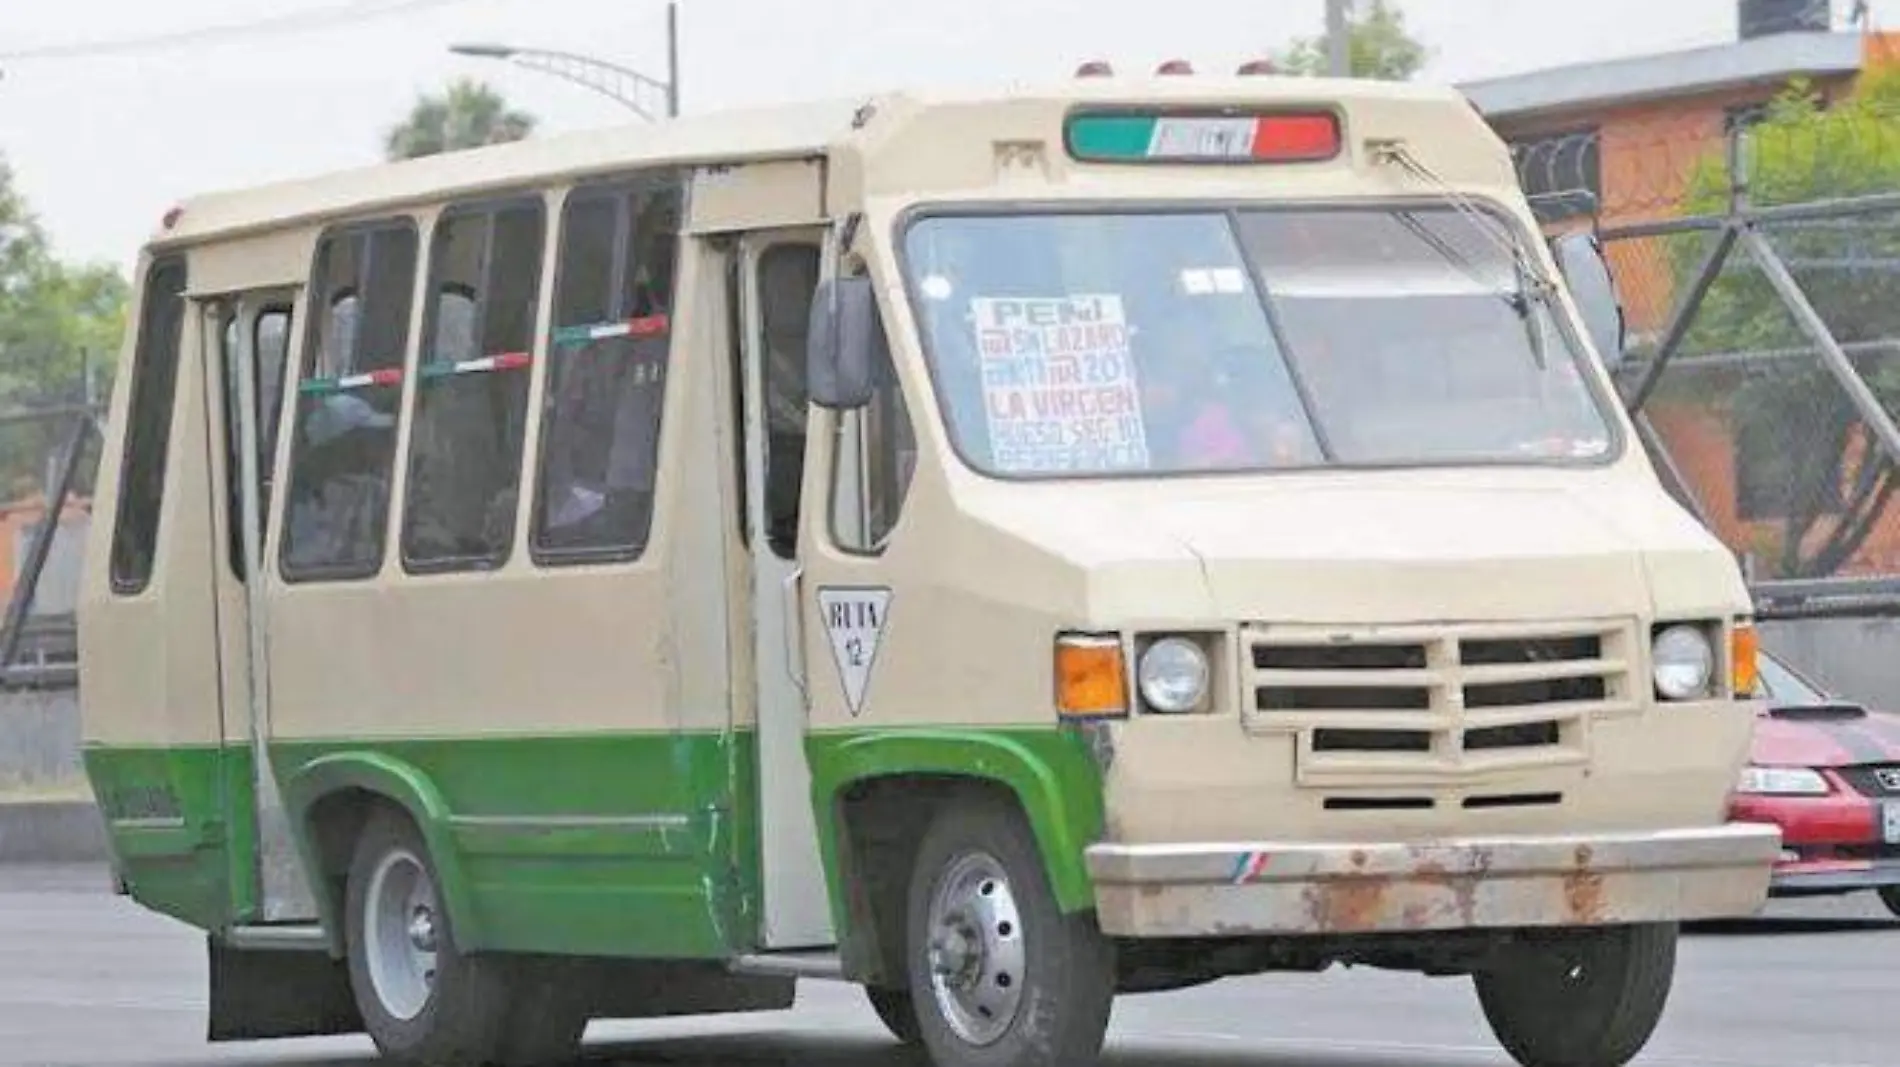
(977, 955)
(399, 934)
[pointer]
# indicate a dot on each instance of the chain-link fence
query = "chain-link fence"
(1757, 256)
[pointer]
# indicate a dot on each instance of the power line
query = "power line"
(350, 11)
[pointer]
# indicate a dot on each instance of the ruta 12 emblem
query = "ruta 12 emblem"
(854, 621)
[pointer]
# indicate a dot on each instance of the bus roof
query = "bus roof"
(744, 135)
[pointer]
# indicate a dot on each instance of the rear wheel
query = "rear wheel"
(1580, 998)
(897, 1011)
(1890, 896)
(422, 1000)
(1002, 978)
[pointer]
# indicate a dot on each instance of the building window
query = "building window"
(1562, 174)
(148, 426)
(472, 387)
(607, 369)
(348, 402)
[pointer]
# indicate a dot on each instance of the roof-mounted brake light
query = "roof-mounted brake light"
(1175, 66)
(1095, 68)
(1224, 136)
(1257, 66)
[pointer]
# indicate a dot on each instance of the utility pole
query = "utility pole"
(1338, 41)
(673, 59)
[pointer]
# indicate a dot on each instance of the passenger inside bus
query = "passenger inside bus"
(788, 274)
(607, 371)
(341, 503)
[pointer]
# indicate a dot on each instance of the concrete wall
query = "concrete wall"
(39, 744)
(46, 810)
(1858, 659)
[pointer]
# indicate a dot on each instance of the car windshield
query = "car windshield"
(1181, 342)
(1784, 688)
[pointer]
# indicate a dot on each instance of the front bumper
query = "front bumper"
(1230, 890)
(1801, 878)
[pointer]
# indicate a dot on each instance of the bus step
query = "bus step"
(288, 936)
(825, 965)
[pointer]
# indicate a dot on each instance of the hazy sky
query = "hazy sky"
(101, 146)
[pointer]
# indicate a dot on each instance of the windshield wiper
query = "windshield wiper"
(1532, 290)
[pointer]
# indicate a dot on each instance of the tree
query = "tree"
(470, 114)
(56, 320)
(1820, 475)
(1377, 41)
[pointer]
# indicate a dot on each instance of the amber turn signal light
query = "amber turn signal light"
(1091, 680)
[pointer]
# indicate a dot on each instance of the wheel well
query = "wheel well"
(881, 823)
(336, 820)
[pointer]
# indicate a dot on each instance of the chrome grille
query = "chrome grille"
(1437, 701)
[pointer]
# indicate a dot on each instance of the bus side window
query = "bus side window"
(788, 274)
(472, 392)
(270, 346)
(344, 441)
(148, 427)
(885, 442)
(607, 367)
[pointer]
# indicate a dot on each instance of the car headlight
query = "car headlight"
(1173, 675)
(1782, 782)
(1684, 662)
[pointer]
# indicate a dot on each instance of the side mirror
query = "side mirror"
(1587, 272)
(844, 344)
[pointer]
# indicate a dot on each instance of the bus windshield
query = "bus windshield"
(1072, 344)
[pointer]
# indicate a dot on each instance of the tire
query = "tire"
(1047, 980)
(1890, 896)
(897, 1012)
(1580, 998)
(452, 1010)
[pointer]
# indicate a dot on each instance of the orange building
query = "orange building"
(20, 521)
(1622, 142)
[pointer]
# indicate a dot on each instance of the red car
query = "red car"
(1827, 772)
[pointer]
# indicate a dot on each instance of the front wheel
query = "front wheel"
(1000, 976)
(897, 1012)
(1890, 896)
(1579, 998)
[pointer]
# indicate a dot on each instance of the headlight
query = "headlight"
(1173, 675)
(1782, 782)
(1684, 662)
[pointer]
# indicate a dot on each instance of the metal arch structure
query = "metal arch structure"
(621, 84)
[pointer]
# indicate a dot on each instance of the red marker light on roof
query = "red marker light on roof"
(172, 216)
(1257, 66)
(1175, 66)
(1095, 68)
(1293, 137)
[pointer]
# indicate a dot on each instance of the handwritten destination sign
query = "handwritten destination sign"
(1059, 384)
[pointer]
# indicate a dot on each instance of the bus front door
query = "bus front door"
(778, 270)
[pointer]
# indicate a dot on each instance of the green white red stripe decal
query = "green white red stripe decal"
(648, 326)
(504, 361)
(319, 386)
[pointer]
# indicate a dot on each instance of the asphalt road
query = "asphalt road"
(87, 978)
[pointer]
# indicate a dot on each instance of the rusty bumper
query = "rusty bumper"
(1216, 890)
